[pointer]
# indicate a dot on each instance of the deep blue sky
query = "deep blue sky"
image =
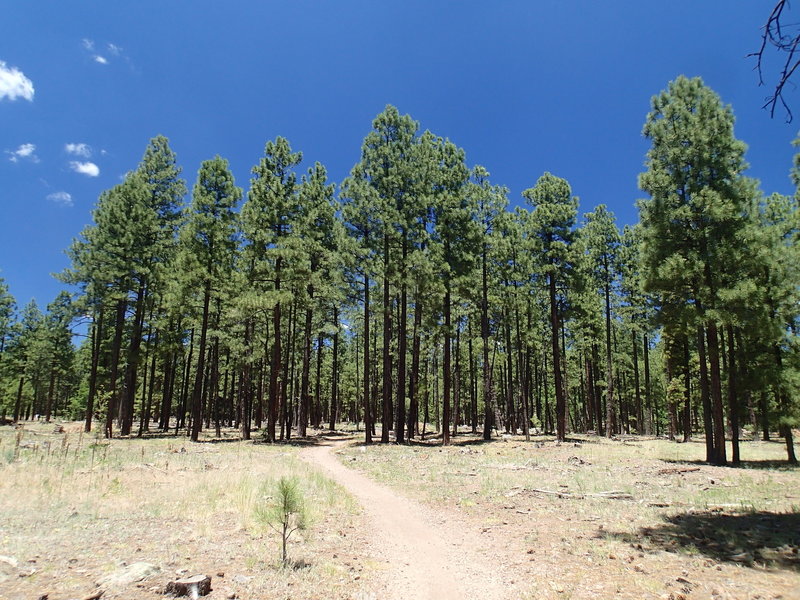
(524, 87)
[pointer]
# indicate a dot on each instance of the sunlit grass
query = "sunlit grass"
(162, 500)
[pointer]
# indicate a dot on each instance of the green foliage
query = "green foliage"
(284, 510)
(456, 290)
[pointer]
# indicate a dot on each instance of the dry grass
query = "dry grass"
(76, 508)
(673, 527)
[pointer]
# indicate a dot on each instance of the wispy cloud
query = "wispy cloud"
(14, 84)
(103, 54)
(81, 149)
(26, 151)
(85, 168)
(63, 198)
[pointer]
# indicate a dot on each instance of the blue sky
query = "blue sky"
(524, 87)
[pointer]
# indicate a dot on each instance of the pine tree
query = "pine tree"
(57, 339)
(552, 220)
(268, 220)
(456, 236)
(490, 202)
(388, 176)
(691, 221)
(319, 239)
(153, 224)
(7, 308)
(602, 241)
(208, 243)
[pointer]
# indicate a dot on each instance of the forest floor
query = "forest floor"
(592, 518)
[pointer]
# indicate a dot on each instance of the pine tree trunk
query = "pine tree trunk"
(215, 383)
(402, 349)
(783, 404)
(376, 380)
(305, 400)
(705, 397)
(386, 416)
(488, 392)
(97, 339)
(142, 401)
(589, 394)
(687, 394)
(447, 380)
(48, 406)
(647, 395)
(116, 347)
(126, 406)
(316, 412)
(187, 371)
(197, 390)
(564, 366)
(763, 407)
(457, 382)
(638, 392)
(335, 371)
(367, 412)
(18, 401)
(473, 392)
(733, 398)
(716, 395)
(561, 407)
(152, 388)
(275, 366)
(413, 387)
(521, 379)
(170, 373)
(245, 387)
(289, 384)
(610, 407)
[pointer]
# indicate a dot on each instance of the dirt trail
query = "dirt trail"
(424, 559)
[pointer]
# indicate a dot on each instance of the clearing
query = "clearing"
(632, 518)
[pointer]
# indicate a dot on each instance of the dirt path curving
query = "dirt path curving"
(424, 559)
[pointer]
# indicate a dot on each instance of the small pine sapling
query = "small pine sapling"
(285, 512)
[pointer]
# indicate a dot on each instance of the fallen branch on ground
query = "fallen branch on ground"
(675, 470)
(609, 495)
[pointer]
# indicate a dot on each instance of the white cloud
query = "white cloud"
(14, 84)
(63, 198)
(85, 168)
(110, 51)
(83, 150)
(24, 151)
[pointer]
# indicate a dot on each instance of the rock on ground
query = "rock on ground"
(127, 575)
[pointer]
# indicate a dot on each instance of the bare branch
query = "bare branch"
(781, 37)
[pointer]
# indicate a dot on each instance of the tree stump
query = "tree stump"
(188, 586)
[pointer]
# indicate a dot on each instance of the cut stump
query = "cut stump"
(189, 586)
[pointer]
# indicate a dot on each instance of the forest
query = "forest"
(411, 299)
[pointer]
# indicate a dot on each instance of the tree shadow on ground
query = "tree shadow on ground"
(770, 465)
(755, 539)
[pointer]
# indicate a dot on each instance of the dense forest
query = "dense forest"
(411, 299)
